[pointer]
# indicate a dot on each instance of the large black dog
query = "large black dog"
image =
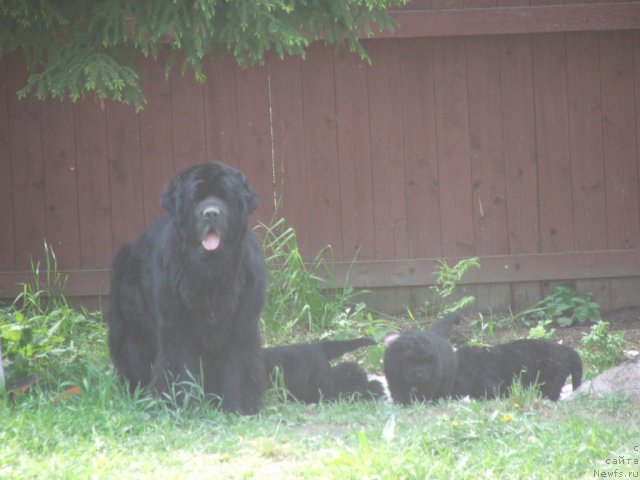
(490, 372)
(307, 373)
(421, 366)
(186, 296)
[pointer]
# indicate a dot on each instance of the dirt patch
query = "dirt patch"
(626, 320)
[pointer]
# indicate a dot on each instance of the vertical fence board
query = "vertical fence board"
(187, 117)
(7, 244)
(354, 150)
(27, 173)
(254, 134)
(156, 143)
(521, 167)
(486, 147)
(289, 146)
(621, 163)
(585, 127)
(94, 203)
(452, 118)
(60, 177)
(554, 162)
(321, 150)
(418, 107)
(387, 151)
(221, 110)
(125, 173)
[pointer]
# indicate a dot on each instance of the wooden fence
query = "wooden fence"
(510, 133)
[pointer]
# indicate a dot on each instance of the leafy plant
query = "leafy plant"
(542, 330)
(447, 280)
(565, 306)
(301, 295)
(601, 349)
(42, 335)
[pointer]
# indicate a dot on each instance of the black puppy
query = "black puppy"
(305, 367)
(490, 372)
(421, 366)
(349, 380)
(186, 296)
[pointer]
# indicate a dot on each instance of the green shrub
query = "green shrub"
(300, 295)
(601, 349)
(565, 306)
(42, 335)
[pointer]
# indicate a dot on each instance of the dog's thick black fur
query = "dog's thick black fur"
(489, 372)
(186, 296)
(349, 380)
(305, 367)
(421, 366)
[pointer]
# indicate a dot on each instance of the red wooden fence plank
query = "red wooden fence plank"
(554, 161)
(289, 146)
(220, 110)
(486, 147)
(187, 114)
(585, 127)
(387, 151)
(125, 173)
(519, 135)
(419, 123)
(620, 142)
(94, 202)
(445, 21)
(156, 142)
(354, 150)
(321, 150)
(7, 244)
(254, 134)
(27, 175)
(452, 118)
(521, 167)
(61, 186)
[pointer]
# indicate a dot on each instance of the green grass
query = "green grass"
(103, 433)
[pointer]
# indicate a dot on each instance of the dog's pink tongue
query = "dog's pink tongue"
(211, 242)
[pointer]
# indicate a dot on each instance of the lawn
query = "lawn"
(103, 433)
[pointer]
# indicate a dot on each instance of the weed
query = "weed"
(542, 330)
(296, 296)
(447, 280)
(565, 306)
(601, 349)
(42, 335)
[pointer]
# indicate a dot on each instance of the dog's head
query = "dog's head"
(210, 204)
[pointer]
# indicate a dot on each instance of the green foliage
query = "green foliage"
(42, 335)
(542, 330)
(76, 47)
(447, 280)
(298, 296)
(565, 306)
(601, 349)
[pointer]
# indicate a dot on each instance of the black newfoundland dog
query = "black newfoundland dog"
(421, 366)
(186, 296)
(490, 372)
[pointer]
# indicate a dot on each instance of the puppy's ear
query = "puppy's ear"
(248, 195)
(169, 198)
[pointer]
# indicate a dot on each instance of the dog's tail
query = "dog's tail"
(576, 369)
(444, 326)
(336, 348)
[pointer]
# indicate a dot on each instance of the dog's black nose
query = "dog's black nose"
(211, 212)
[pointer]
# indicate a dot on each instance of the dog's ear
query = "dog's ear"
(248, 195)
(169, 199)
